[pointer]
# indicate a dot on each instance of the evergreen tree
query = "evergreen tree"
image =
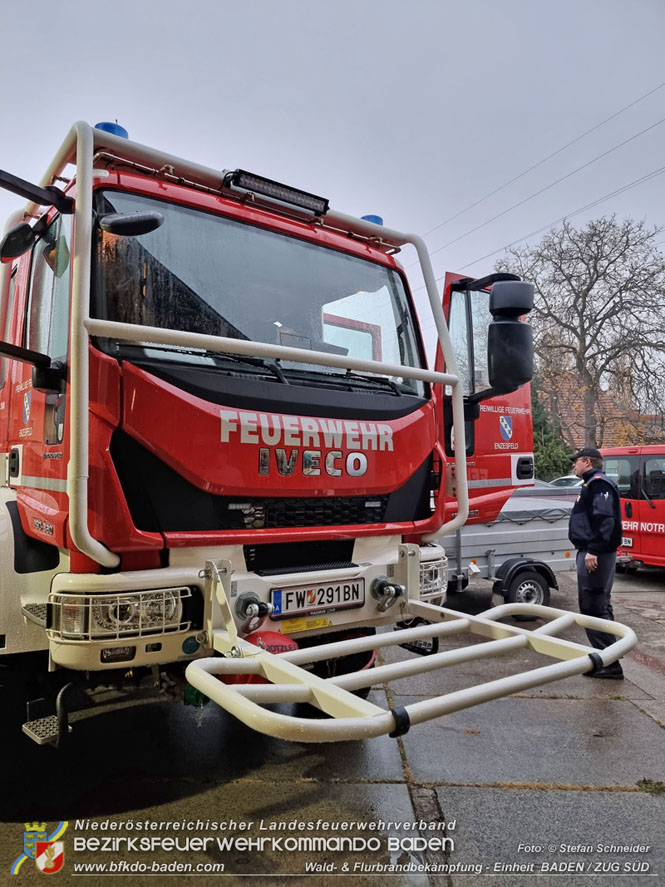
(549, 448)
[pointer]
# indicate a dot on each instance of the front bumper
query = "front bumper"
(153, 617)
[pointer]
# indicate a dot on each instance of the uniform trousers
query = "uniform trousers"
(594, 589)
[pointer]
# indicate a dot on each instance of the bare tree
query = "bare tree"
(599, 319)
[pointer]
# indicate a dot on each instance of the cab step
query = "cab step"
(43, 731)
(36, 613)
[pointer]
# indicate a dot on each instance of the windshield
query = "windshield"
(208, 274)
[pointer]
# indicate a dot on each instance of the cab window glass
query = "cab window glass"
(654, 477)
(480, 319)
(623, 471)
(469, 321)
(48, 307)
(459, 333)
(8, 309)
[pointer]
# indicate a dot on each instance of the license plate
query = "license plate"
(626, 542)
(305, 600)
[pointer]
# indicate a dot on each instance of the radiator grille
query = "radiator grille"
(259, 514)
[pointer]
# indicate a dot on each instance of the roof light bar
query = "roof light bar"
(284, 193)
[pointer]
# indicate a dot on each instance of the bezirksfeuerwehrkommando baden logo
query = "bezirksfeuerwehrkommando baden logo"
(47, 851)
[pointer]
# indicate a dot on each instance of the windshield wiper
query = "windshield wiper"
(376, 380)
(348, 380)
(260, 362)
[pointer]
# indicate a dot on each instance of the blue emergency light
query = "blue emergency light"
(114, 128)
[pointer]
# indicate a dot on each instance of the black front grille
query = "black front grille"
(161, 500)
(269, 514)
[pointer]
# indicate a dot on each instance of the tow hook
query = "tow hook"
(386, 592)
(251, 612)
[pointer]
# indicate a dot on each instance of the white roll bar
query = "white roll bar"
(79, 148)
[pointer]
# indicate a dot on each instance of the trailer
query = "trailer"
(520, 552)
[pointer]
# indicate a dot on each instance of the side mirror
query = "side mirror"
(17, 240)
(509, 355)
(131, 224)
(510, 340)
(511, 299)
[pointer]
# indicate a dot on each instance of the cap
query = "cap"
(586, 453)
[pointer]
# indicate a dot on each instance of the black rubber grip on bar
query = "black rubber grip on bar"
(402, 722)
(597, 663)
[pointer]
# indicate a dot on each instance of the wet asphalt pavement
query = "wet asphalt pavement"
(563, 783)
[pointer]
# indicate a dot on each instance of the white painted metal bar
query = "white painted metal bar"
(557, 625)
(263, 693)
(156, 335)
(78, 467)
(428, 709)
(201, 673)
(375, 642)
(349, 720)
(626, 635)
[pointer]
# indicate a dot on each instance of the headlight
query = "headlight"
(87, 617)
(433, 578)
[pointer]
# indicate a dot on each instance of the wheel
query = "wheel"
(528, 587)
(453, 588)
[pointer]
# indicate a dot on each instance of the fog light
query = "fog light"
(117, 654)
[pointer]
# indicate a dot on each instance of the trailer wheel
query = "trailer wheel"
(528, 587)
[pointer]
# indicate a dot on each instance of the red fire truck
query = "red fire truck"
(222, 450)
(639, 473)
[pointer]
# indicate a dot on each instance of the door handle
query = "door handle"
(629, 509)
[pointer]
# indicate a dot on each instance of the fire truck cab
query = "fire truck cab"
(222, 451)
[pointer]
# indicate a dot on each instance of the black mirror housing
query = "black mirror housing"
(17, 240)
(510, 355)
(511, 298)
(131, 224)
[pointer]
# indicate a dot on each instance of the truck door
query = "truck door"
(652, 507)
(624, 469)
(500, 440)
(38, 460)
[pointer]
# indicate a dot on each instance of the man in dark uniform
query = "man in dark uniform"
(595, 531)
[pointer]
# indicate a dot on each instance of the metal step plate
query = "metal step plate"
(35, 613)
(43, 731)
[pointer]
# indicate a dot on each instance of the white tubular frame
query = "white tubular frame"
(354, 718)
(79, 148)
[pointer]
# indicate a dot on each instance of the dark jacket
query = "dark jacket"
(595, 521)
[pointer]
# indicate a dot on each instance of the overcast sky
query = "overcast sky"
(412, 111)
